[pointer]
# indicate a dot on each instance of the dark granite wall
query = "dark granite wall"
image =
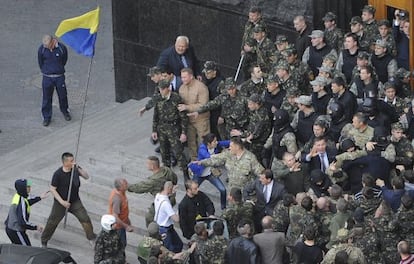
(143, 28)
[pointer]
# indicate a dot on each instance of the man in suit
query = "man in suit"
(179, 56)
(271, 244)
(267, 194)
(320, 156)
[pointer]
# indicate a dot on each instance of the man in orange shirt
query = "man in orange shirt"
(118, 207)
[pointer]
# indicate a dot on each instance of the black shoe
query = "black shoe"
(157, 149)
(173, 161)
(46, 122)
(153, 142)
(186, 174)
(67, 117)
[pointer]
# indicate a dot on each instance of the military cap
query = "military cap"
(255, 98)
(304, 99)
(384, 22)
(229, 83)
(258, 28)
(331, 57)
(402, 73)
(280, 39)
(210, 66)
(356, 20)
(292, 92)
(272, 79)
(363, 55)
(317, 34)
(326, 69)
(282, 65)
(290, 51)
(369, 8)
(343, 234)
(163, 84)
(154, 70)
(346, 144)
(389, 84)
(381, 43)
(329, 17)
(153, 229)
(397, 126)
(319, 80)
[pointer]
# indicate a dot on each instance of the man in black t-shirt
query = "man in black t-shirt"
(60, 188)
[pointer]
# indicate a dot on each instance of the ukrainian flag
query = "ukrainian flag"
(80, 32)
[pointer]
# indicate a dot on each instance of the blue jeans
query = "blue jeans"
(171, 239)
(217, 183)
(122, 235)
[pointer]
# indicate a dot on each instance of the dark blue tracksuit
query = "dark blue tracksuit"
(52, 65)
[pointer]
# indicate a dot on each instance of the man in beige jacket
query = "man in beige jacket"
(194, 94)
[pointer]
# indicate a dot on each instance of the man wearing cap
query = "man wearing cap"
(402, 83)
(370, 24)
(265, 49)
(333, 35)
(347, 59)
(384, 63)
(290, 104)
(357, 27)
(299, 70)
(234, 111)
(215, 84)
(404, 151)
(179, 56)
(255, 84)
(155, 74)
(391, 98)
(344, 238)
(169, 126)
(281, 44)
(303, 120)
(320, 97)
(258, 128)
(302, 41)
(315, 53)
(363, 59)
(385, 34)
(273, 95)
(194, 94)
(286, 80)
(17, 221)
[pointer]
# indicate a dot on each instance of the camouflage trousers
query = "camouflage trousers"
(169, 138)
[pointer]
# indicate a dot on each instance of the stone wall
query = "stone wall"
(142, 29)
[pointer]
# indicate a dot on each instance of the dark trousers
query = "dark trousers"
(48, 85)
(18, 237)
(58, 212)
(171, 239)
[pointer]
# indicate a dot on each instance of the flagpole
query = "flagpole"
(78, 139)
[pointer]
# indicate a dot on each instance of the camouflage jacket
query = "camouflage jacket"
(289, 84)
(404, 153)
(215, 249)
(301, 72)
(236, 212)
(355, 255)
(167, 116)
(335, 38)
(155, 182)
(405, 222)
(108, 248)
(367, 240)
(281, 217)
(249, 87)
(371, 31)
(240, 171)
(398, 104)
(248, 31)
(265, 51)
(259, 125)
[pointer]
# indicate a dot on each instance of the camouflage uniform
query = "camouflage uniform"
(144, 249)
(369, 206)
(215, 249)
(355, 255)
(169, 124)
(249, 87)
(301, 72)
(324, 234)
(108, 248)
(240, 171)
(289, 84)
(405, 223)
(236, 212)
(265, 51)
(250, 57)
(281, 217)
(367, 240)
(399, 105)
(371, 32)
(309, 218)
(360, 138)
(404, 153)
(259, 126)
(389, 237)
(391, 46)
(286, 105)
(334, 38)
(234, 111)
(153, 185)
(295, 228)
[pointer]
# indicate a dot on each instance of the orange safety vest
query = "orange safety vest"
(124, 212)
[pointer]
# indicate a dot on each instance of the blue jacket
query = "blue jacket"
(393, 197)
(204, 154)
(52, 62)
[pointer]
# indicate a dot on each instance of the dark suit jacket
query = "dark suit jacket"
(170, 59)
(278, 191)
(315, 162)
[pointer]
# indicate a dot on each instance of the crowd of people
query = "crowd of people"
(316, 144)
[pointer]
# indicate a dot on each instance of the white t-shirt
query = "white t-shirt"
(163, 210)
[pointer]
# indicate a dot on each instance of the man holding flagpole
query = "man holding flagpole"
(52, 58)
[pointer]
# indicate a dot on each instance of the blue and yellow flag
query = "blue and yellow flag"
(80, 32)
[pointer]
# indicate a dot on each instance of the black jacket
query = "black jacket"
(189, 208)
(241, 251)
(169, 58)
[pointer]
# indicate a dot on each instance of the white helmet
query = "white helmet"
(107, 221)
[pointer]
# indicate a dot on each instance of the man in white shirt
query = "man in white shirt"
(165, 217)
